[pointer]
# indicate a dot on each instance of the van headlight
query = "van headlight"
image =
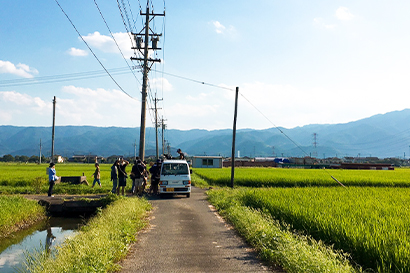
(163, 182)
(187, 182)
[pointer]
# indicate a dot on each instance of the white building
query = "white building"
(207, 162)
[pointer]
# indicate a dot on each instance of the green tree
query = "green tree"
(8, 158)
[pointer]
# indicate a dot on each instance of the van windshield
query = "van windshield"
(174, 169)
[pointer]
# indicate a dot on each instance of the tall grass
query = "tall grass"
(17, 212)
(99, 245)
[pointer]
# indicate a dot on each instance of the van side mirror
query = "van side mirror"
(190, 171)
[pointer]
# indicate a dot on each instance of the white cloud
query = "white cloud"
(77, 52)
(98, 107)
(17, 107)
(75, 106)
(343, 13)
(161, 84)
(20, 69)
(107, 44)
(221, 29)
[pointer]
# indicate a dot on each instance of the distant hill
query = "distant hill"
(386, 135)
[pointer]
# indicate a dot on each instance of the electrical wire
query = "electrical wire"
(112, 36)
(63, 77)
(92, 51)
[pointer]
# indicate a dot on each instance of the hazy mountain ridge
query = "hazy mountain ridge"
(386, 135)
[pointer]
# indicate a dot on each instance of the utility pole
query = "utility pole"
(156, 126)
(234, 137)
(40, 152)
(53, 131)
(140, 38)
(163, 125)
(135, 149)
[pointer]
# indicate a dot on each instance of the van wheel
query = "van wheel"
(188, 195)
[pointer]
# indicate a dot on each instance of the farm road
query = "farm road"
(186, 235)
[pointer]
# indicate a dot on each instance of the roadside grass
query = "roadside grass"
(99, 245)
(17, 212)
(276, 244)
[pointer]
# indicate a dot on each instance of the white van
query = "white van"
(175, 178)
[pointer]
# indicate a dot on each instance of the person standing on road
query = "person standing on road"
(97, 175)
(122, 176)
(114, 176)
(52, 178)
(155, 171)
(138, 179)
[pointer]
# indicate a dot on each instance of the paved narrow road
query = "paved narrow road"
(186, 235)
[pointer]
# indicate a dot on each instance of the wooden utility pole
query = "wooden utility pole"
(40, 151)
(53, 131)
(163, 125)
(234, 137)
(156, 127)
(146, 32)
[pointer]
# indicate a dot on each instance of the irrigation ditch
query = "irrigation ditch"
(65, 215)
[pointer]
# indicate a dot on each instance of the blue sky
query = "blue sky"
(297, 62)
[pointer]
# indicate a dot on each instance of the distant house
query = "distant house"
(60, 159)
(207, 162)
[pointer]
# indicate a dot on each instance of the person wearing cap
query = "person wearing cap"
(52, 178)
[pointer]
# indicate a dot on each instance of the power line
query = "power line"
(92, 51)
(63, 77)
(196, 81)
(116, 41)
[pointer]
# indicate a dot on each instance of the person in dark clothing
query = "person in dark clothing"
(181, 154)
(114, 176)
(138, 177)
(155, 171)
(122, 175)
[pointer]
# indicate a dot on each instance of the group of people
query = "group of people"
(139, 175)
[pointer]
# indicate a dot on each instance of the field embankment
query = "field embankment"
(98, 245)
(369, 224)
(17, 212)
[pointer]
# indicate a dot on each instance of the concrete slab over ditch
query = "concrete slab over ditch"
(69, 204)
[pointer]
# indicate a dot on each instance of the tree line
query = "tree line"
(23, 158)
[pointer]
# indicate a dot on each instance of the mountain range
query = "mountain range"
(383, 135)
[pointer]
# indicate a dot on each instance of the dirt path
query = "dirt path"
(186, 235)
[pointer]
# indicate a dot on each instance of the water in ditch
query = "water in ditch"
(44, 236)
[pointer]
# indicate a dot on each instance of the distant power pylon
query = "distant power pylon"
(314, 144)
